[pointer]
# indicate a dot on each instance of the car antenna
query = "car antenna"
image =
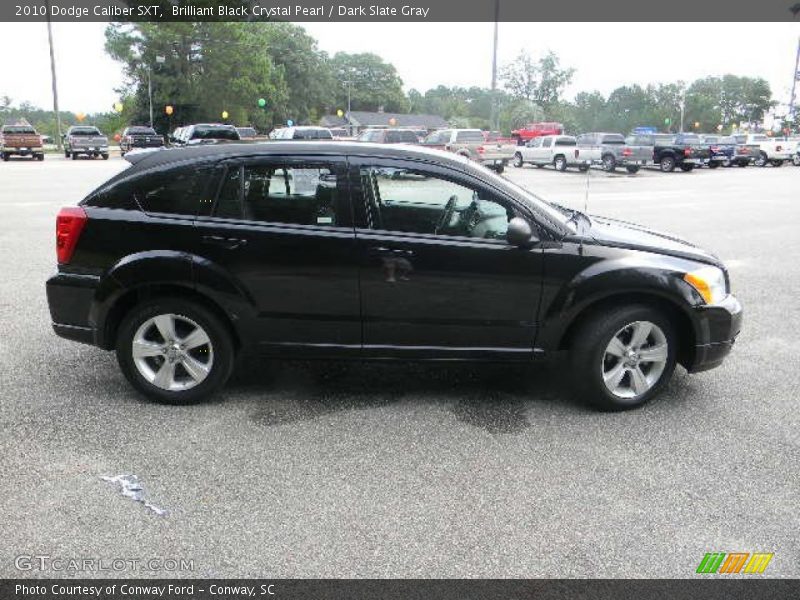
(585, 202)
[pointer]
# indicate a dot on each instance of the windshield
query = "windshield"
(19, 129)
(85, 131)
(215, 133)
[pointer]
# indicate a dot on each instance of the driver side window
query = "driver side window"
(411, 201)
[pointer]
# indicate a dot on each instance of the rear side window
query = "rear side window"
(176, 191)
(565, 142)
(298, 194)
(613, 139)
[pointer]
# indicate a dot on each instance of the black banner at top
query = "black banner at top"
(760, 11)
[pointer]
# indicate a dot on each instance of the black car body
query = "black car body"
(358, 250)
(139, 136)
(682, 150)
(85, 140)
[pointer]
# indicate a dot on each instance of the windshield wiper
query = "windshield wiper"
(574, 214)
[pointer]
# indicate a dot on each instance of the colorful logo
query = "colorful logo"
(734, 562)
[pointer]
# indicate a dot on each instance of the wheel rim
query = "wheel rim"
(559, 163)
(666, 164)
(634, 359)
(517, 160)
(172, 352)
(608, 163)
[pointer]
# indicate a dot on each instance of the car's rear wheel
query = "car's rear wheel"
(609, 163)
(560, 163)
(632, 169)
(622, 357)
(174, 351)
(796, 160)
(517, 162)
(777, 163)
(713, 165)
(74, 156)
(761, 160)
(687, 168)
(66, 153)
(667, 164)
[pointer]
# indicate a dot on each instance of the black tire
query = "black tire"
(40, 157)
(540, 166)
(588, 355)
(105, 156)
(499, 168)
(66, 153)
(796, 160)
(5, 157)
(687, 168)
(74, 156)
(667, 164)
(632, 169)
(218, 334)
(713, 165)
(560, 163)
(762, 160)
(743, 164)
(583, 168)
(609, 163)
(517, 162)
(776, 163)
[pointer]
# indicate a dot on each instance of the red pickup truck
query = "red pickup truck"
(20, 140)
(534, 130)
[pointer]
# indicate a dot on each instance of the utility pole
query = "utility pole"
(493, 117)
(683, 108)
(59, 144)
(150, 92)
(795, 78)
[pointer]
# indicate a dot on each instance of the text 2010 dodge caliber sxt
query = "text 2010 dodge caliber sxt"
(308, 249)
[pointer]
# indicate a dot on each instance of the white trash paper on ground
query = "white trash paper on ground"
(131, 488)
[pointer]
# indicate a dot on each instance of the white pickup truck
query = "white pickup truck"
(770, 151)
(561, 151)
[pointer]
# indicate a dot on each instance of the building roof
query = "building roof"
(361, 118)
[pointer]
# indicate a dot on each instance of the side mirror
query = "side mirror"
(519, 232)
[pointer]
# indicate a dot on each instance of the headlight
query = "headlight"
(709, 283)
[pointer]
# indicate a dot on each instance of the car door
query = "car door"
(544, 152)
(281, 231)
(529, 150)
(437, 277)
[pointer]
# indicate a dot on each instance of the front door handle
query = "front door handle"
(223, 242)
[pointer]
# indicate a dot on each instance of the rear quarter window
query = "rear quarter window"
(176, 191)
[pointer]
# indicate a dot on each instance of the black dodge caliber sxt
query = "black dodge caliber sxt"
(305, 249)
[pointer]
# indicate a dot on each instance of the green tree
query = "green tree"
(541, 82)
(373, 83)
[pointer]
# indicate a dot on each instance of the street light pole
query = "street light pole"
(53, 77)
(493, 117)
(150, 93)
(795, 79)
(683, 107)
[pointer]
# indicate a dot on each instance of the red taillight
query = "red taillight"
(627, 152)
(687, 152)
(69, 224)
(481, 149)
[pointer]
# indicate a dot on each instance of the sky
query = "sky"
(605, 55)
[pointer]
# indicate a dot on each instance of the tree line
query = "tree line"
(202, 70)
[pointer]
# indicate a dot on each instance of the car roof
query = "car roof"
(217, 152)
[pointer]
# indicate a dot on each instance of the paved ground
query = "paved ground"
(372, 471)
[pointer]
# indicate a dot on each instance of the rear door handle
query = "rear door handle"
(223, 242)
(384, 251)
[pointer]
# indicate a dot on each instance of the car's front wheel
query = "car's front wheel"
(174, 351)
(517, 162)
(622, 357)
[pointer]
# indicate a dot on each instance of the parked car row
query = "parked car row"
(668, 152)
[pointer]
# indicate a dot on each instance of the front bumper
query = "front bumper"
(716, 328)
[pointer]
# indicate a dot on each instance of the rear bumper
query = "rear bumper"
(70, 299)
(20, 152)
(716, 329)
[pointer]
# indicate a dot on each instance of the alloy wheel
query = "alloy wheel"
(172, 352)
(634, 359)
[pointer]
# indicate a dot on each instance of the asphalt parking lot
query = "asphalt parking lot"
(353, 470)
